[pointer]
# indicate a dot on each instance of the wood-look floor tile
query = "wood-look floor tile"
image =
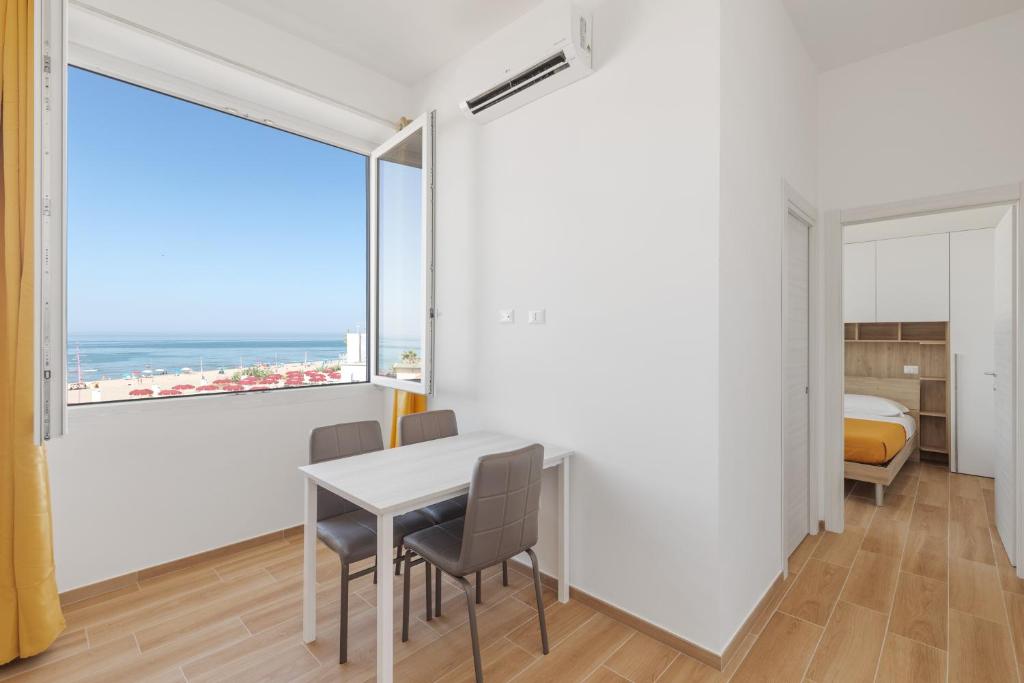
(1015, 611)
(970, 542)
(930, 520)
(968, 510)
(580, 653)
(857, 512)
(738, 656)
(688, 670)
(933, 473)
(920, 610)
(204, 667)
(562, 619)
(803, 552)
(862, 489)
(933, 493)
(271, 667)
(850, 647)
(451, 649)
(815, 592)
(161, 660)
(641, 658)
(908, 661)
(872, 581)
(502, 661)
(781, 653)
(926, 555)
(990, 504)
(885, 536)
(897, 508)
(602, 675)
(974, 588)
(841, 548)
(965, 486)
(105, 658)
(979, 650)
(904, 484)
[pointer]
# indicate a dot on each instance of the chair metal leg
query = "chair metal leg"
(467, 588)
(343, 629)
(437, 592)
(405, 598)
(504, 573)
(398, 565)
(540, 601)
(479, 589)
(428, 583)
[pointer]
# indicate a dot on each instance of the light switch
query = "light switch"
(538, 317)
(506, 316)
(909, 369)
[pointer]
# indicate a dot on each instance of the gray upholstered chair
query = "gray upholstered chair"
(344, 527)
(500, 522)
(427, 426)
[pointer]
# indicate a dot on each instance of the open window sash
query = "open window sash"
(402, 259)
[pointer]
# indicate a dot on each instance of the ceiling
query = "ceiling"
(838, 32)
(398, 38)
(947, 221)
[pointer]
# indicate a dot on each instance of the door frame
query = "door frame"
(794, 204)
(831, 335)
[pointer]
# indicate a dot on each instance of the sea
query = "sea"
(110, 356)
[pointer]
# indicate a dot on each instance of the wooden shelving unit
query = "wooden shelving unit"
(884, 349)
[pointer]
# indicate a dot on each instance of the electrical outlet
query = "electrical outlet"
(909, 369)
(506, 316)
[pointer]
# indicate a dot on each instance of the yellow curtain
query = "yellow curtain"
(30, 615)
(405, 403)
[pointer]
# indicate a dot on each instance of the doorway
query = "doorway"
(968, 410)
(799, 509)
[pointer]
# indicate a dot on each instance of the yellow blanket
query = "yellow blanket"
(872, 442)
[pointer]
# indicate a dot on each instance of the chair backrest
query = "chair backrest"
(341, 441)
(433, 424)
(504, 501)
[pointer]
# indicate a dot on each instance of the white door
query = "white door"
(795, 401)
(1005, 428)
(971, 332)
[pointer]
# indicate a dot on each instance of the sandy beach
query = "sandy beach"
(189, 383)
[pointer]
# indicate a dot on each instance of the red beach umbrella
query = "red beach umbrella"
(169, 392)
(183, 387)
(140, 392)
(223, 380)
(208, 387)
(269, 380)
(334, 375)
(233, 387)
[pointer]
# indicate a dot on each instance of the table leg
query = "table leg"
(309, 565)
(385, 599)
(563, 531)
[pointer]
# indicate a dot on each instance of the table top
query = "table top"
(397, 480)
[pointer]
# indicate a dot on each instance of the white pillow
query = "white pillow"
(872, 405)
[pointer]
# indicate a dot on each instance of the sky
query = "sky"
(185, 220)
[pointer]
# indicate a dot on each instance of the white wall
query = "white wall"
(936, 117)
(768, 136)
(138, 484)
(599, 203)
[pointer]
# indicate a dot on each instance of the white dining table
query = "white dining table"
(397, 480)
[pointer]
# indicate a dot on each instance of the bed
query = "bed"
(876, 445)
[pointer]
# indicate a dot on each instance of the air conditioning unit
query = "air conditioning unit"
(544, 50)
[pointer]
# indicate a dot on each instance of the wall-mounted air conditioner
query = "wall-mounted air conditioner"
(542, 51)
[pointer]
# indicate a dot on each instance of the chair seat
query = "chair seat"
(353, 535)
(440, 545)
(447, 510)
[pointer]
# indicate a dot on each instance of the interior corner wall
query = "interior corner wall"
(769, 99)
(599, 203)
(936, 117)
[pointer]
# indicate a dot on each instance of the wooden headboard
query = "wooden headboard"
(905, 391)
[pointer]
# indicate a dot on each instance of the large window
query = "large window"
(208, 253)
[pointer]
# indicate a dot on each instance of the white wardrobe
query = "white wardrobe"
(937, 277)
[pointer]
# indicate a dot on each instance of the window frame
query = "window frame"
(61, 397)
(424, 123)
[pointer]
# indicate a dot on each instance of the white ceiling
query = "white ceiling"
(948, 221)
(838, 32)
(405, 40)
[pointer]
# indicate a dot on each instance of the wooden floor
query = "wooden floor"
(916, 590)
